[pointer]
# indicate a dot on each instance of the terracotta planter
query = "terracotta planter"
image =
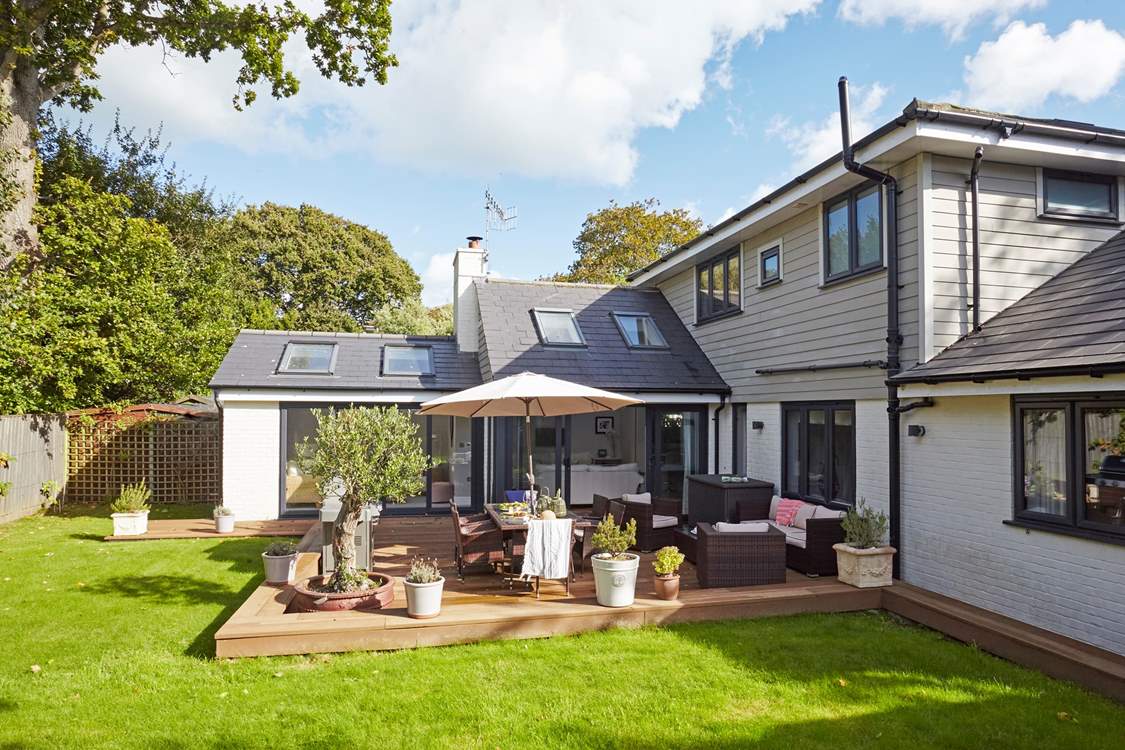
(864, 568)
(308, 599)
(667, 587)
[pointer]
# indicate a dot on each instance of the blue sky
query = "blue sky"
(560, 109)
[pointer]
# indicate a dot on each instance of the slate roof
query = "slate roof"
(511, 344)
(254, 355)
(1072, 324)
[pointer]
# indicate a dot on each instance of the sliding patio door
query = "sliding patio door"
(677, 441)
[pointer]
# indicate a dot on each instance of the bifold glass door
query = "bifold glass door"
(677, 439)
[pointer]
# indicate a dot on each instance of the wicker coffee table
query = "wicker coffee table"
(739, 558)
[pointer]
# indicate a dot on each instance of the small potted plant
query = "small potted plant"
(863, 559)
(615, 569)
(424, 584)
(667, 566)
(224, 519)
(280, 559)
(130, 510)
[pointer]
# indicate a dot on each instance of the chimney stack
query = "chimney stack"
(469, 263)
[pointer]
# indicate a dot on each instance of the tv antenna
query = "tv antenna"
(496, 217)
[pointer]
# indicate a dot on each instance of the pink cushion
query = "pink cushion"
(787, 511)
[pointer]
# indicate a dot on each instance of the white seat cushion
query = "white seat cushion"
(644, 498)
(794, 536)
(663, 522)
(822, 512)
(773, 506)
(743, 528)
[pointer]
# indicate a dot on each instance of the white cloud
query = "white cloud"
(813, 142)
(763, 189)
(437, 279)
(953, 16)
(692, 208)
(1025, 65)
(539, 88)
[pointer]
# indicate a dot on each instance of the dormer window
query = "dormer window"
(639, 331)
(408, 360)
(308, 358)
(558, 327)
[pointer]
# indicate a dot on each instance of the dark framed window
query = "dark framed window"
(639, 330)
(719, 286)
(408, 360)
(308, 358)
(769, 265)
(558, 327)
(1069, 467)
(818, 452)
(853, 233)
(1079, 194)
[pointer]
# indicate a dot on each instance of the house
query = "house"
(630, 340)
(856, 334)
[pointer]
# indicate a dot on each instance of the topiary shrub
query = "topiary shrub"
(613, 539)
(864, 527)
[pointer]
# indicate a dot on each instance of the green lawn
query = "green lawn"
(122, 634)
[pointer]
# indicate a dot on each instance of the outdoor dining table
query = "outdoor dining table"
(513, 528)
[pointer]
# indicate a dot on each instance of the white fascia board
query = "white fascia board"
(233, 395)
(674, 398)
(1028, 148)
(1070, 384)
(814, 184)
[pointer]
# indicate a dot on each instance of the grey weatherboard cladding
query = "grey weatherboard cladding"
(254, 355)
(1072, 324)
(511, 345)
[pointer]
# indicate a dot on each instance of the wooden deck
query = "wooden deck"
(196, 528)
(483, 608)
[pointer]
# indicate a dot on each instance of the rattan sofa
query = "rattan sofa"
(816, 557)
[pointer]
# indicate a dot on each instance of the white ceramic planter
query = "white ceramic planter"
(130, 524)
(615, 580)
(224, 524)
(864, 568)
(281, 568)
(423, 600)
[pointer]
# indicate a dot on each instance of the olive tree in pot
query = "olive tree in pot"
(424, 585)
(667, 567)
(863, 559)
(363, 456)
(280, 561)
(615, 570)
(130, 510)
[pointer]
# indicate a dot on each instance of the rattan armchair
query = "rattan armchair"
(656, 521)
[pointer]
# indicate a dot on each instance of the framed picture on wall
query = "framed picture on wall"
(603, 425)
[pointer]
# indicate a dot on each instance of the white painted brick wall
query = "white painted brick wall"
(251, 459)
(871, 476)
(957, 492)
(763, 447)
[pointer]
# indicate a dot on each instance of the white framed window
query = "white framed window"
(770, 268)
(639, 330)
(558, 327)
(406, 359)
(308, 358)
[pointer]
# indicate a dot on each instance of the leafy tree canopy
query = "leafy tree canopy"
(320, 272)
(414, 319)
(618, 240)
(107, 311)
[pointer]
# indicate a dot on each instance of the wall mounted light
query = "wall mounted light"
(756, 425)
(916, 430)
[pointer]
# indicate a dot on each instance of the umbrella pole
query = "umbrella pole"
(527, 440)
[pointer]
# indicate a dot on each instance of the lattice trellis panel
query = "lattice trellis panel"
(179, 459)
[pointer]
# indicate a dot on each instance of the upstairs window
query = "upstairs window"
(853, 233)
(769, 265)
(558, 328)
(308, 358)
(1079, 195)
(639, 331)
(408, 360)
(719, 289)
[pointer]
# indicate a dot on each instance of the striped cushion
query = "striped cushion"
(787, 511)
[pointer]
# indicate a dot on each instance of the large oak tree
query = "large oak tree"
(49, 51)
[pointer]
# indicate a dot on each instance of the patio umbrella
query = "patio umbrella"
(526, 395)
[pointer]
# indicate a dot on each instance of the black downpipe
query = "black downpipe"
(722, 405)
(974, 186)
(894, 337)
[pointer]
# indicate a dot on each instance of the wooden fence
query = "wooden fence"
(36, 445)
(178, 458)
